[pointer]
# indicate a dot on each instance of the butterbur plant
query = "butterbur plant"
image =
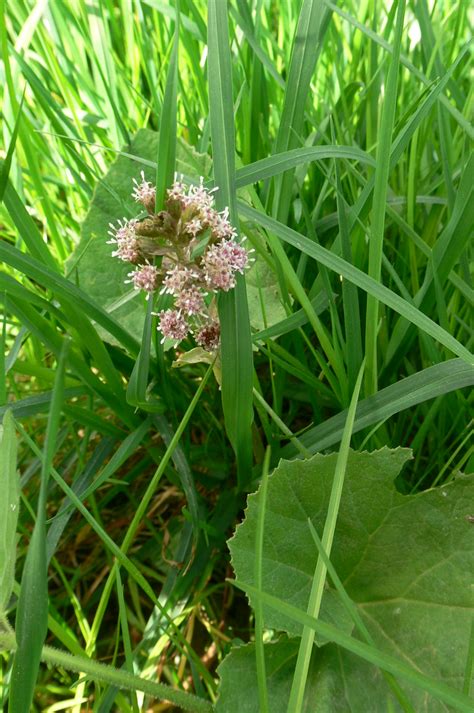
(188, 250)
(283, 524)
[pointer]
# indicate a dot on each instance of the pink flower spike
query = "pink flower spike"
(220, 225)
(199, 197)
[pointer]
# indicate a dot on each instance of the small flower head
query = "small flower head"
(172, 325)
(220, 225)
(190, 301)
(209, 336)
(145, 277)
(221, 262)
(125, 238)
(145, 193)
(177, 279)
(193, 227)
(199, 198)
(237, 255)
(177, 192)
(217, 270)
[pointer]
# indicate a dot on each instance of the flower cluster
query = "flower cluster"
(188, 250)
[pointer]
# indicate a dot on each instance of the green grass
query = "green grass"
(341, 141)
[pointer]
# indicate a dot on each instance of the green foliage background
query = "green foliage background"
(340, 137)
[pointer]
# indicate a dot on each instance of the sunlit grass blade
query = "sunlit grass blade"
(286, 160)
(404, 394)
(127, 644)
(166, 159)
(9, 507)
(32, 610)
(236, 345)
(432, 60)
(3, 359)
(469, 672)
(50, 337)
(307, 42)
(382, 170)
(359, 278)
(258, 51)
(27, 227)
(460, 119)
(445, 254)
(6, 164)
(350, 297)
(307, 640)
(65, 288)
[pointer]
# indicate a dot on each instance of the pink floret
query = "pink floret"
(172, 325)
(145, 277)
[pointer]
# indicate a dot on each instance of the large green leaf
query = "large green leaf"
(239, 689)
(265, 305)
(402, 559)
(92, 266)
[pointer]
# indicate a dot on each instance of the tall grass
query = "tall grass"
(341, 140)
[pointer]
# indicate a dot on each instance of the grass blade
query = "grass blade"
(415, 389)
(312, 23)
(307, 640)
(6, 164)
(32, 612)
(359, 278)
(350, 295)
(281, 162)
(112, 676)
(66, 289)
(236, 344)
(9, 506)
(446, 252)
(377, 39)
(382, 169)
(168, 124)
(138, 383)
(356, 617)
(27, 227)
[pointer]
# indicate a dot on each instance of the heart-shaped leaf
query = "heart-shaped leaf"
(405, 561)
